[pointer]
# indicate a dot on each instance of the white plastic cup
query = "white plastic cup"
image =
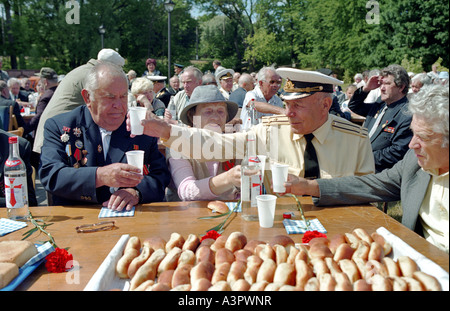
(279, 177)
(137, 114)
(136, 158)
(27, 111)
(262, 159)
(266, 209)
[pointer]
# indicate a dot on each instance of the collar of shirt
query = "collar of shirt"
(320, 134)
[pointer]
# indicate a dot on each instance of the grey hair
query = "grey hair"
(431, 104)
(261, 76)
(141, 86)
(422, 78)
(13, 81)
(401, 77)
(195, 71)
(245, 78)
(91, 80)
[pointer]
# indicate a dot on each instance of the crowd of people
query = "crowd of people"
(196, 130)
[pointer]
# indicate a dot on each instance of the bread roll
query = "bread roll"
(205, 253)
(221, 286)
(148, 270)
(187, 257)
(285, 274)
(319, 251)
(391, 267)
(281, 254)
(342, 282)
(350, 269)
(156, 243)
(343, 251)
(398, 284)
(292, 254)
(8, 271)
(266, 271)
(332, 266)
(224, 255)
(335, 241)
(181, 288)
(282, 240)
(429, 282)
(133, 243)
(374, 267)
(218, 207)
(251, 245)
(319, 267)
(207, 242)
(258, 286)
(376, 252)
(236, 241)
(124, 262)
(352, 240)
(312, 285)
(221, 272)
(138, 261)
(170, 261)
(303, 273)
(380, 283)
(363, 235)
(176, 240)
(407, 266)
(201, 285)
(202, 270)
(387, 247)
(361, 264)
(413, 284)
(236, 272)
(273, 287)
(17, 252)
(144, 286)
(166, 277)
(362, 250)
(253, 264)
(361, 285)
(242, 255)
(265, 251)
(159, 287)
(219, 243)
(240, 285)
(181, 275)
(326, 282)
(191, 243)
(319, 240)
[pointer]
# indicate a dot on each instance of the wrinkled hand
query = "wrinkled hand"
(373, 83)
(122, 198)
(118, 175)
(234, 176)
(301, 186)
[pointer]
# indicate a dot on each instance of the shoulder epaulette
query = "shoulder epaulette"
(275, 120)
(349, 127)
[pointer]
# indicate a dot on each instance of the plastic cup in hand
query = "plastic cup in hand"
(136, 158)
(137, 114)
(266, 209)
(279, 177)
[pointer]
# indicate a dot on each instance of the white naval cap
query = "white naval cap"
(111, 56)
(156, 78)
(304, 83)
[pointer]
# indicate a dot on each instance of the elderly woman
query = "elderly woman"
(212, 180)
(420, 179)
(142, 90)
(150, 64)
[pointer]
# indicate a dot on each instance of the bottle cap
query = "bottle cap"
(287, 215)
(12, 139)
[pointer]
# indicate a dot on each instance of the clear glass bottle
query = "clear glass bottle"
(16, 190)
(250, 180)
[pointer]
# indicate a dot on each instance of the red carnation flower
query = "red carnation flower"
(212, 234)
(57, 261)
(309, 235)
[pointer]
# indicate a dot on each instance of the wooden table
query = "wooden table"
(161, 219)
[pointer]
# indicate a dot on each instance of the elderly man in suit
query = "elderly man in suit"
(83, 157)
(388, 125)
(420, 180)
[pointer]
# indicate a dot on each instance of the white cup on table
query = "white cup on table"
(266, 209)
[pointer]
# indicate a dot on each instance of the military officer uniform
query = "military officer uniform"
(343, 148)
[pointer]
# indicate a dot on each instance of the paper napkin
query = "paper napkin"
(9, 225)
(293, 226)
(106, 212)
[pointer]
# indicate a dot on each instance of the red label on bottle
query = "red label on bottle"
(13, 163)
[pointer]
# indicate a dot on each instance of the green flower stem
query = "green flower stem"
(41, 228)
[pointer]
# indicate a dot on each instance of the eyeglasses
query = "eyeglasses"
(276, 82)
(101, 226)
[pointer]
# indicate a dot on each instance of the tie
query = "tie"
(106, 138)
(377, 122)
(311, 163)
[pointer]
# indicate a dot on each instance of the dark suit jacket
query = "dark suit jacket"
(16, 111)
(25, 152)
(72, 186)
(164, 96)
(406, 181)
(390, 141)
